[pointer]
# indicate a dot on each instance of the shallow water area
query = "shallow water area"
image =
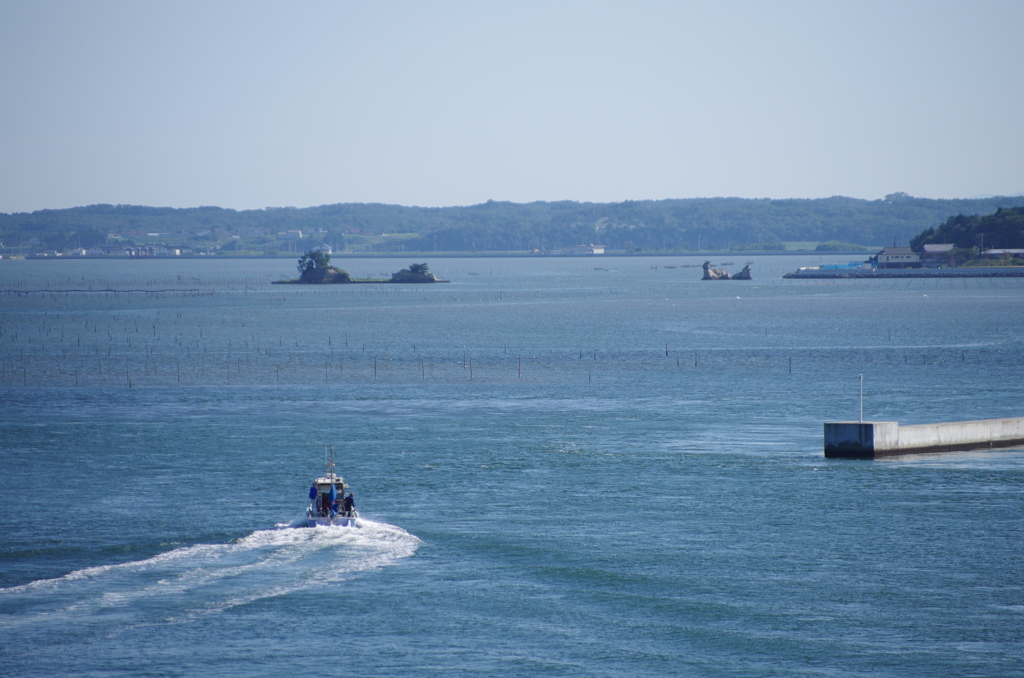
(561, 470)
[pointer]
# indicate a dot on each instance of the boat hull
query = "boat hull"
(337, 521)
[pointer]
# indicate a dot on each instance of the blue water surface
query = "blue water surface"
(564, 466)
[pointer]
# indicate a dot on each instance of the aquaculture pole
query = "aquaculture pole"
(862, 398)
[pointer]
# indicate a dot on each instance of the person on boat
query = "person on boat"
(350, 503)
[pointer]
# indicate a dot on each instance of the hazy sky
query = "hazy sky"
(252, 104)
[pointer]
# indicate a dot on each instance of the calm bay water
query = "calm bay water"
(561, 470)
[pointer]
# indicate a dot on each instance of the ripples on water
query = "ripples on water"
(562, 470)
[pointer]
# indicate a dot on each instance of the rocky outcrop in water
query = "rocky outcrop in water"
(714, 273)
(407, 276)
(325, 276)
(416, 273)
(721, 274)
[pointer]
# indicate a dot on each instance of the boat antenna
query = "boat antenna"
(332, 463)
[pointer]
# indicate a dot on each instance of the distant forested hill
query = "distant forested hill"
(1002, 230)
(652, 225)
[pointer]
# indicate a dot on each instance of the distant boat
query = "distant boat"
(329, 506)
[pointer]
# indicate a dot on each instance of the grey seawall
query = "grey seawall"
(859, 274)
(871, 439)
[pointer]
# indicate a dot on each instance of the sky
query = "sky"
(254, 104)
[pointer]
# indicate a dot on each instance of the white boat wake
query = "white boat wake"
(209, 578)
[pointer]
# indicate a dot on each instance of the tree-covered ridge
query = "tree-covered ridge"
(1002, 230)
(658, 225)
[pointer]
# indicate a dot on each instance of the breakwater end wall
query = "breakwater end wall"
(871, 439)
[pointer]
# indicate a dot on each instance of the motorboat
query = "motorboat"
(330, 503)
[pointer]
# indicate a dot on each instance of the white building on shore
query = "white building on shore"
(576, 250)
(898, 257)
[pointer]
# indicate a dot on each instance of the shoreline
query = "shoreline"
(445, 255)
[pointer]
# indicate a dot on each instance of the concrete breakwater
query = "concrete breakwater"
(979, 272)
(870, 439)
